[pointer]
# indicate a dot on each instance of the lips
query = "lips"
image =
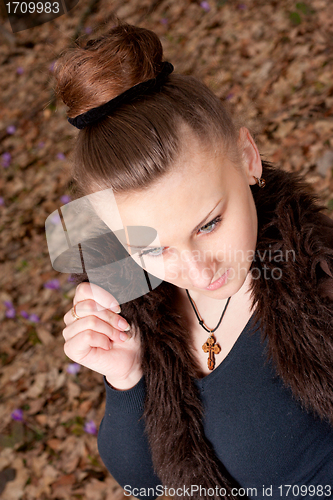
(219, 282)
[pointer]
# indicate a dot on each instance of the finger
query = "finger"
(79, 347)
(87, 308)
(91, 308)
(98, 325)
(91, 291)
(90, 305)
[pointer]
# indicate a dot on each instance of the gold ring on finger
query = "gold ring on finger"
(74, 313)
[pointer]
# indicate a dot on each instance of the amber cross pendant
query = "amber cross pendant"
(212, 348)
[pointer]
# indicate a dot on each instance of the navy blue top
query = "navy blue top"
(258, 430)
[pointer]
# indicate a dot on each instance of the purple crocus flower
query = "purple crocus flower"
(205, 6)
(73, 368)
(2, 201)
(11, 129)
(164, 20)
(6, 159)
(41, 144)
(19, 70)
(88, 29)
(61, 156)
(34, 318)
(24, 314)
(10, 313)
(90, 427)
(17, 415)
(51, 67)
(65, 199)
(52, 284)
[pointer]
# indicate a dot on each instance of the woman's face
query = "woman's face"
(205, 218)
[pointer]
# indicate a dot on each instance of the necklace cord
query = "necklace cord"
(201, 320)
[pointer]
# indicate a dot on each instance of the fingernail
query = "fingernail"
(122, 323)
(123, 336)
(115, 307)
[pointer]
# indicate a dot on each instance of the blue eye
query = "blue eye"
(151, 252)
(210, 224)
(157, 252)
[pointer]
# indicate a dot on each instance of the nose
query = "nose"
(197, 270)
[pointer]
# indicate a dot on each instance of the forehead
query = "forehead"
(181, 198)
(193, 181)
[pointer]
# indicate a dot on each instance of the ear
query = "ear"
(252, 165)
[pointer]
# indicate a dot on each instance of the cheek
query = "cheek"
(238, 235)
(250, 232)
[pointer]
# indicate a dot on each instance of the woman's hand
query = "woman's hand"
(97, 340)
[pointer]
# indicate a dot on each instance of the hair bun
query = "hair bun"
(94, 115)
(105, 67)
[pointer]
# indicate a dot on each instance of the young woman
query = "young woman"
(220, 382)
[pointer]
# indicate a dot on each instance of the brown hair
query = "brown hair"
(129, 150)
(140, 141)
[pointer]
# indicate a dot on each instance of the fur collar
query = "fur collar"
(294, 302)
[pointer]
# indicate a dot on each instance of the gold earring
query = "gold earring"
(261, 182)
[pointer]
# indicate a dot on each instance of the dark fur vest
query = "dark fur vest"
(292, 292)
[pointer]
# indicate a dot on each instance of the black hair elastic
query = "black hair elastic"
(96, 114)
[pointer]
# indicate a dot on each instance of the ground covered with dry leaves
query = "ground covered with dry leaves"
(271, 60)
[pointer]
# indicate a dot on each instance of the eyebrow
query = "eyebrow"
(192, 232)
